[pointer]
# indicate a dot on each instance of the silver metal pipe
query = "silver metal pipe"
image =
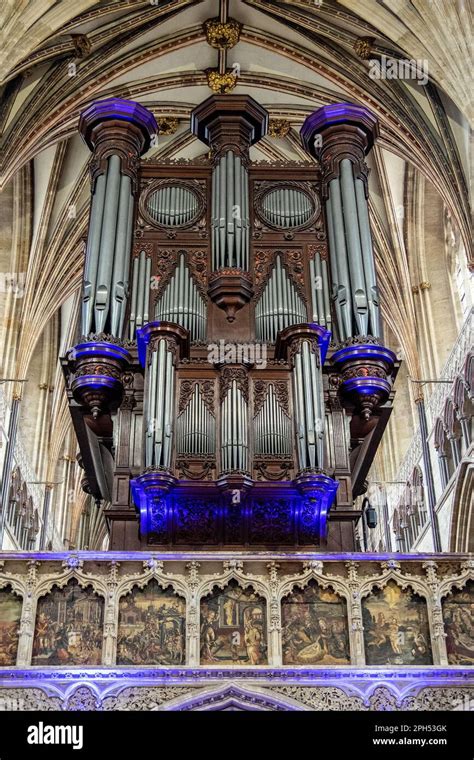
(343, 282)
(146, 294)
(238, 203)
(118, 300)
(159, 403)
(230, 204)
(223, 214)
(326, 299)
(92, 254)
(356, 267)
(140, 289)
(168, 410)
(319, 289)
(133, 304)
(368, 258)
(214, 215)
(126, 274)
(299, 413)
(107, 243)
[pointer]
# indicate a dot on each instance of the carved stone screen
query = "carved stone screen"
(10, 612)
(69, 627)
(396, 629)
(458, 614)
(151, 630)
(233, 627)
(314, 627)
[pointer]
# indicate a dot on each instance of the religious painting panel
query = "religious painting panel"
(233, 627)
(10, 614)
(396, 629)
(151, 627)
(458, 615)
(69, 627)
(314, 627)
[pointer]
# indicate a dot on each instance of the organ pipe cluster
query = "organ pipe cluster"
(355, 290)
(320, 292)
(279, 306)
(234, 430)
(159, 406)
(196, 427)
(182, 303)
(140, 299)
(108, 252)
(287, 207)
(272, 427)
(230, 213)
(309, 406)
(173, 206)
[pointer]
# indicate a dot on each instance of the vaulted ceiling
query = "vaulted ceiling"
(59, 55)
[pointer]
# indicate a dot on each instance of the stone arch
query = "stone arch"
(232, 696)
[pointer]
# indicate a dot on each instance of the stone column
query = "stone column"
(28, 613)
(109, 651)
(8, 462)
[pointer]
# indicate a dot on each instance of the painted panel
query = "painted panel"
(396, 629)
(152, 625)
(69, 627)
(233, 627)
(10, 614)
(314, 627)
(458, 615)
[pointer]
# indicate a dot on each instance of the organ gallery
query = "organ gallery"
(237, 375)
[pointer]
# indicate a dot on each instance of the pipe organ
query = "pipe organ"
(230, 367)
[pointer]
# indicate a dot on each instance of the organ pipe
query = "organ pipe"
(234, 430)
(108, 251)
(172, 206)
(230, 213)
(320, 291)
(353, 272)
(287, 207)
(309, 407)
(159, 408)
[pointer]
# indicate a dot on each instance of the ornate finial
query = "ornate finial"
(153, 564)
(222, 83)
(363, 47)
(222, 35)
(82, 45)
(233, 564)
(316, 566)
(278, 127)
(72, 563)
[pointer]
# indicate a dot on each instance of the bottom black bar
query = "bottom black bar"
(117, 735)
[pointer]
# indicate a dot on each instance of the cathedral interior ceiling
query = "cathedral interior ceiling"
(292, 57)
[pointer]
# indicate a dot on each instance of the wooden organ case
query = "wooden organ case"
(218, 403)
